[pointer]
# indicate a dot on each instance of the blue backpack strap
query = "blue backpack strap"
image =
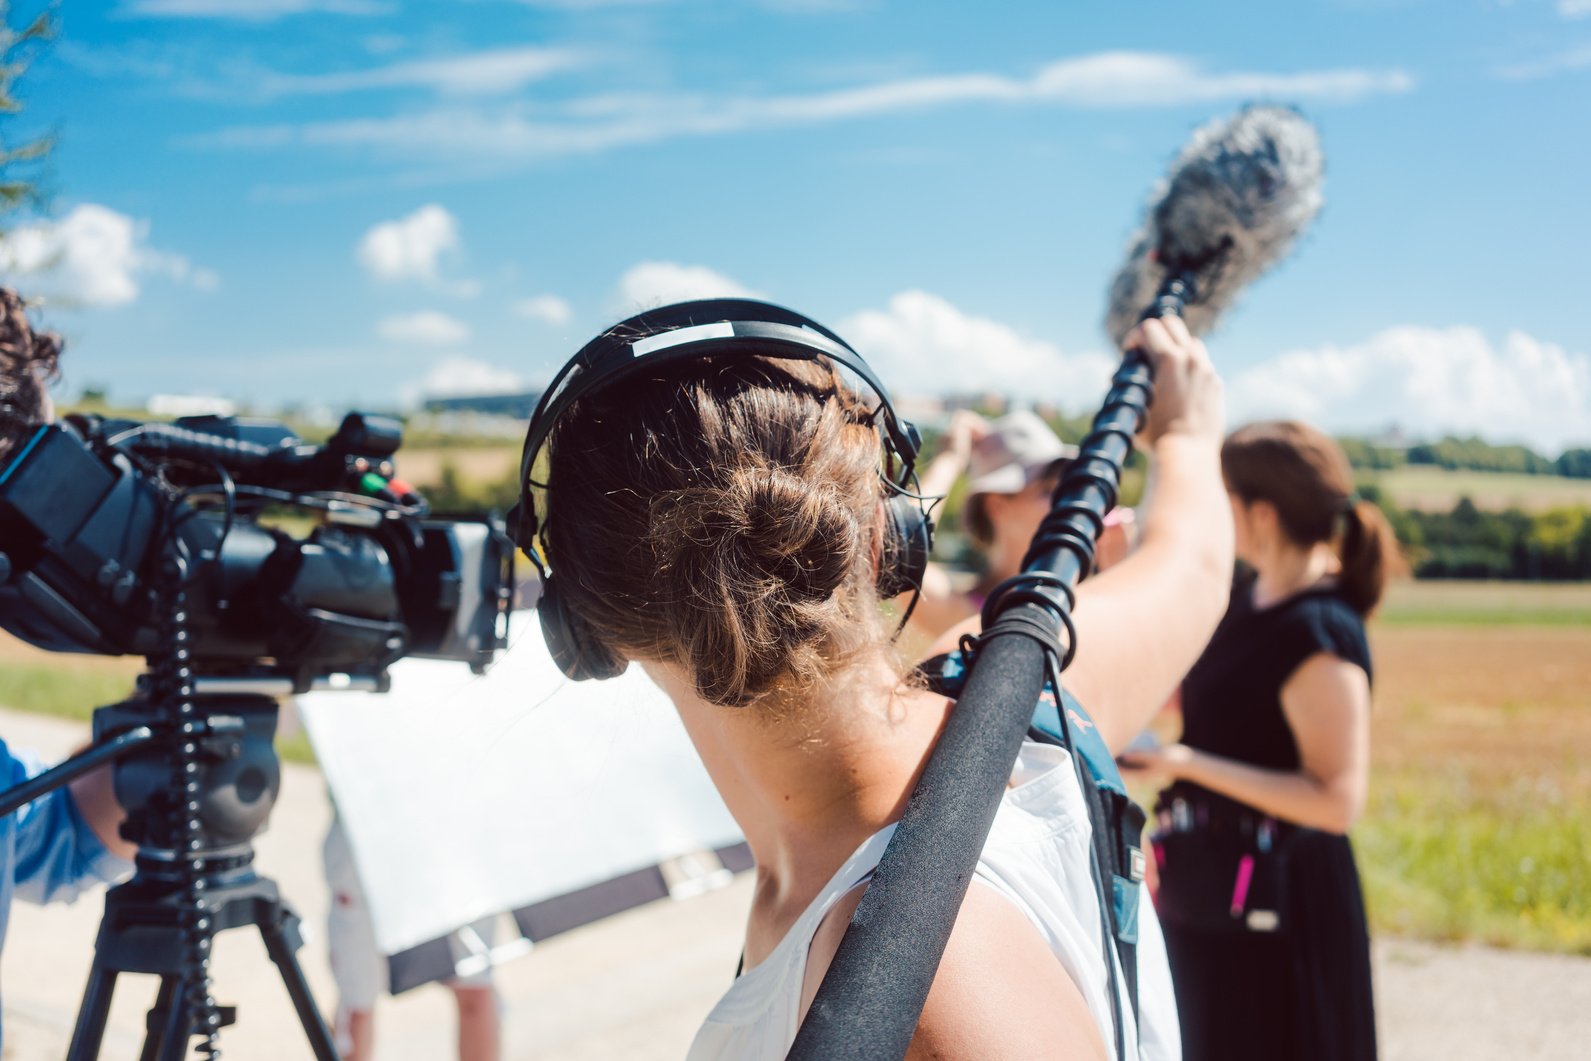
(1117, 822)
(1096, 757)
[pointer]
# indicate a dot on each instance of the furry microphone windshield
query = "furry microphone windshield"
(1236, 199)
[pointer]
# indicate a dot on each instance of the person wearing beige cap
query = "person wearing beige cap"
(1013, 465)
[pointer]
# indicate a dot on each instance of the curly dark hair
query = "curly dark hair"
(29, 362)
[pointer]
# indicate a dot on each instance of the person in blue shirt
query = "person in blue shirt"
(54, 847)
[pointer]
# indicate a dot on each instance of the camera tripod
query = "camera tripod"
(197, 785)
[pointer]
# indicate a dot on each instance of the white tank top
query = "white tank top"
(1037, 856)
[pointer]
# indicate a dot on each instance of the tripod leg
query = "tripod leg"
(174, 1035)
(156, 1017)
(91, 1016)
(276, 927)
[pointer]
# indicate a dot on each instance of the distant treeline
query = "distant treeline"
(1464, 542)
(1469, 542)
(1469, 454)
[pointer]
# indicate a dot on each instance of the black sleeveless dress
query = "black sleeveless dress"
(1302, 992)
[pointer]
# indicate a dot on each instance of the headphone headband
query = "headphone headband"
(740, 328)
(694, 330)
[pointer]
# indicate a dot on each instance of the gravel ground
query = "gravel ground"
(636, 985)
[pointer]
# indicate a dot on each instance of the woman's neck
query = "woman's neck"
(807, 788)
(1287, 569)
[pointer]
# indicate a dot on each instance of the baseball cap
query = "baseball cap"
(1019, 448)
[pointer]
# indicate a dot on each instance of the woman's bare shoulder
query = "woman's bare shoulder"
(999, 991)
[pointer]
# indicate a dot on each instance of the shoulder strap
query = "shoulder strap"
(1117, 821)
(1118, 825)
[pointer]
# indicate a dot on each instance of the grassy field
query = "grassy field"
(1479, 822)
(422, 465)
(72, 686)
(1429, 488)
(1487, 604)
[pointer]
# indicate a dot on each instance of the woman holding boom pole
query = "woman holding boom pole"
(721, 521)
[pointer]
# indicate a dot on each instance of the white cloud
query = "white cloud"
(414, 248)
(427, 327)
(549, 309)
(919, 342)
(1562, 63)
(1574, 8)
(495, 71)
(924, 340)
(250, 10)
(462, 376)
(649, 284)
(1100, 81)
(93, 256)
(1429, 381)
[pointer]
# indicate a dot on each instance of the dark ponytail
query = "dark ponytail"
(1369, 553)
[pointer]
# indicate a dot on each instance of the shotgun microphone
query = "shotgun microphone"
(1235, 201)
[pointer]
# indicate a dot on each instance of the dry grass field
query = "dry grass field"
(473, 464)
(1433, 489)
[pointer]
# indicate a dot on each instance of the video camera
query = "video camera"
(171, 541)
(88, 507)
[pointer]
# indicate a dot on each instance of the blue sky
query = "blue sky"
(347, 202)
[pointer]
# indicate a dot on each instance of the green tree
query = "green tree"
(1366, 455)
(1574, 463)
(20, 157)
(1557, 542)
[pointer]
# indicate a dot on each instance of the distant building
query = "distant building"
(190, 405)
(519, 406)
(1391, 437)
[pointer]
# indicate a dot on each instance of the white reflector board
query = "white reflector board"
(466, 796)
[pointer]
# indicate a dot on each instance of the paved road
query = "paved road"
(635, 986)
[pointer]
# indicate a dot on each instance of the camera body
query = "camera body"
(90, 509)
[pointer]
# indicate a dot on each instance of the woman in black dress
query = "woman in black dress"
(1259, 895)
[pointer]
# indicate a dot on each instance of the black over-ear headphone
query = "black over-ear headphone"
(712, 328)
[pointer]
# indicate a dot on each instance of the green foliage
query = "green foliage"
(63, 691)
(19, 160)
(1574, 464)
(1466, 454)
(1364, 454)
(1449, 855)
(453, 494)
(1468, 542)
(1477, 454)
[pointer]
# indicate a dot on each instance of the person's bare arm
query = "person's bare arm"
(96, 801)
(955, 452)
(1327, 705)
(999, 994)
(1143, 623)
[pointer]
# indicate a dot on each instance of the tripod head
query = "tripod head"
(239, 776)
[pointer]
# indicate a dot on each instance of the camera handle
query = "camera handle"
(96, 755)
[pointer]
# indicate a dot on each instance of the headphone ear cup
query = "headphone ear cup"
(908, 541)
(521, 529)
(580, 655)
